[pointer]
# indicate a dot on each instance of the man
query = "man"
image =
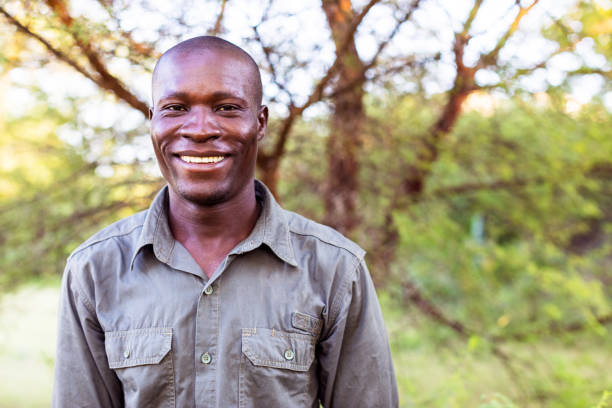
(215, 296)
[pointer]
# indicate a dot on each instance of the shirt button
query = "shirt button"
(208, 290)
(289, 354)
(206, 358)
(126, 354)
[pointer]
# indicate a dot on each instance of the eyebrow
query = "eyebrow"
(215, 96)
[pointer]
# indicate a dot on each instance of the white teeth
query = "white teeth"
(198, 159)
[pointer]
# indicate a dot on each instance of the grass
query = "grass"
(27, 345)
(433, 368)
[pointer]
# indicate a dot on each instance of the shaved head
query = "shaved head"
(210, 44)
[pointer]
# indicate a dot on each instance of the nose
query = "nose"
(200, 125)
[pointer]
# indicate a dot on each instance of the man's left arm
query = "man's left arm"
(355, 367)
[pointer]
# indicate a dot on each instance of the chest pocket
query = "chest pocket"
(275, 364)
(142, 359)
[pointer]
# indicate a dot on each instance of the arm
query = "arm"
(355, 367)
(82, 377)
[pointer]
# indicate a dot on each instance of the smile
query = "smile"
(199, 159)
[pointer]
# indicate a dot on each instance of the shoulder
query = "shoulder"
(304, 229)
(334, 263)
(114, 236)
(92, 262)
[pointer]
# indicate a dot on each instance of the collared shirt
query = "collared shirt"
(288, 319)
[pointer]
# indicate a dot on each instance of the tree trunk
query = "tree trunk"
(348, 116)
(268, 173)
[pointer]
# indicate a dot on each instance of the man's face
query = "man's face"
(205, 125)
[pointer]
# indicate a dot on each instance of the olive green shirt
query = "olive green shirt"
(288, 319)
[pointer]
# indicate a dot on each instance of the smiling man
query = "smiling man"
(216, 296)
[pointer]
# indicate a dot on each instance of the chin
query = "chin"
(204, 196)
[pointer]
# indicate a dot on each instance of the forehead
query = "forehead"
(201, 72)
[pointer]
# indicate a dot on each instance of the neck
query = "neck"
(213, 228)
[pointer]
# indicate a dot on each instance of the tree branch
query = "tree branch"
(356, 20)
(468, 23)
(589, 71)
(138, 47)
(464, 84)
(525, 71)
(429, 309)
(412, 293)
(491, 57)
(317, 94)
(383, 44)
(554, 329)
(111, 83)
(489, 186)
(105, 80)
(218, 23)
(271, 67)
(57, 53)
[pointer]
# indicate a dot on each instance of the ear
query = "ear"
(150, 112)
(262, 122)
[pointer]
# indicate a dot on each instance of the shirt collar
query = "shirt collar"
(156, 230)
(271, 229)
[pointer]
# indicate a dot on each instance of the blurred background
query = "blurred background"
(465, 144)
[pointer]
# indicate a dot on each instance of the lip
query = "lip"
(205, 153)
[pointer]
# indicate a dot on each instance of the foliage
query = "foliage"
(55, 194)
(527, 173)
(536, 180)
(530, 174)
(604, 399)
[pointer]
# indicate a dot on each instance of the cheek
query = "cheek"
(160, 136)
(248, 134)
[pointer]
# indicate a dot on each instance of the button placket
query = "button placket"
(206, 342)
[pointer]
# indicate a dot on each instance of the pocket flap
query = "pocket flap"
(307, 323)
(129, 348)
(273, 348)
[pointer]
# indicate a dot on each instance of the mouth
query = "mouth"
(201, 159)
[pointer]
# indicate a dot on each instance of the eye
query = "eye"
(175, 108)
(227, 108)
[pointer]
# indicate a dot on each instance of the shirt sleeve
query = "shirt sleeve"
(82, 375)
(355, 366)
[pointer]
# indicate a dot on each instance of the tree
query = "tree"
(420, 135)
(342, 83)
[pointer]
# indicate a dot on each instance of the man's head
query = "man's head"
(202, 44)
(206, 119)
